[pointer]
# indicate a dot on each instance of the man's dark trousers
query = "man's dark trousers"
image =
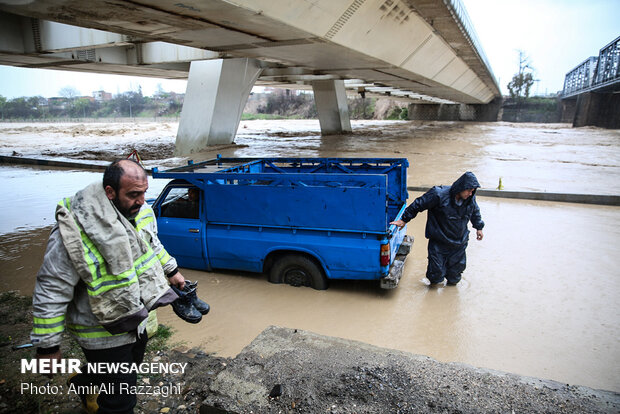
(445, 261)
(130, 353)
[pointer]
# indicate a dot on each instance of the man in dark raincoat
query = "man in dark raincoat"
(450, 208)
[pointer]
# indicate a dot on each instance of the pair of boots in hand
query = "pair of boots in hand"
(188, 306)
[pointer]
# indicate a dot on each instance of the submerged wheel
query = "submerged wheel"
(298, 270)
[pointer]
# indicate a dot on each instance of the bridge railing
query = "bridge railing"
(595, 72)
(460, 15)
(608, 63)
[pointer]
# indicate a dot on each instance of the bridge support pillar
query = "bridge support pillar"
(331, 104)
(568, 108)
(217, 91)
(597, 109)
(456, 112)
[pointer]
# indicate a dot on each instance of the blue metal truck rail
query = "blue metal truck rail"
(310, 219)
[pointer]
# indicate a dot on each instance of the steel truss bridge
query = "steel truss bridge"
(596, 74)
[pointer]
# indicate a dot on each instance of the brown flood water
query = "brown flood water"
(540, 293)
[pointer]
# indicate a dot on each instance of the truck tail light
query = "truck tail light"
(385, 254)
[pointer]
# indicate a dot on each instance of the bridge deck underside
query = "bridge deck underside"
(379, 42)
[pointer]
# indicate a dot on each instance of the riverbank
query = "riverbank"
(35, 393)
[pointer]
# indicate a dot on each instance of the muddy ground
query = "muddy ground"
(15, 326)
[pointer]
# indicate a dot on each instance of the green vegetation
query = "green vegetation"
(273, 104)
(362, 108)
(535, 109)
(398, 113)
(161, 340)
(69, 105)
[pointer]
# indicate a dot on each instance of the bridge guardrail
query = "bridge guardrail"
(460, 15)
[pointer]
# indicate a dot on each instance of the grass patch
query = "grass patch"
(160, 341)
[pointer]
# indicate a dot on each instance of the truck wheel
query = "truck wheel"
(298, 270)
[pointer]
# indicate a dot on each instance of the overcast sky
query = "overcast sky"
(556, 36)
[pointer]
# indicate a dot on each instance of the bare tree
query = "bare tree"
(69, 92)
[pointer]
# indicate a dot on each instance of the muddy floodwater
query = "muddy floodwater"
(540, 293)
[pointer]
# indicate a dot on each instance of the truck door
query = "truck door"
(179, 226)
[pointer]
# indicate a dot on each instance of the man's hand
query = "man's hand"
(177, 280)
(56, 356)
(398, 223)
(479, 235)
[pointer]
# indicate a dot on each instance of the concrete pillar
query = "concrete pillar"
(586, 109)
(488, 112)
(448, 112)
(423, 112)
(331, 104)
(217, 91)
(597, 109)
(569, 106)
(456, 112)
(467, 112)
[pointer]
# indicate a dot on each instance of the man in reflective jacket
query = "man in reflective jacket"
(76, 297)
(450, 208)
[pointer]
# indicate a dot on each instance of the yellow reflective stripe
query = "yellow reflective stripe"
(163, 256)
(145, 262)
(106, 287)
(65, 202)
(83, 331)
(41, 331)
(142, 224)
(48, 325)
(48, 321)
(102, 281)
(92, 257)
(144, 217)
(144, 212)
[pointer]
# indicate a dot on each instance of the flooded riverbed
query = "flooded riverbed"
(538, 298)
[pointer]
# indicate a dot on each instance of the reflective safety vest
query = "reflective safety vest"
(120, 301)
(102, 281)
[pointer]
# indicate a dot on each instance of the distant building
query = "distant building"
(102, 96)
(57, 102)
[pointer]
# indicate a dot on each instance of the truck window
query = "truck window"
(182, 202)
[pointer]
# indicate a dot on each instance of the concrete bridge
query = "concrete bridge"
(421, 50)
(591, 94)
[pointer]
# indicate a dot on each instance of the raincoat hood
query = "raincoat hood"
(465, 182)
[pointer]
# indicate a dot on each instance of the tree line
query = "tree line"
(276, 103)
(70, 105)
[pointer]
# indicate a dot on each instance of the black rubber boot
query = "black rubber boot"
(184, 308)
(202, 306)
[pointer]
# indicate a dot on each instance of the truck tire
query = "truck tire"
(298, 270)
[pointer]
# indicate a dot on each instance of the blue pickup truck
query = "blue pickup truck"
(302, 221)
